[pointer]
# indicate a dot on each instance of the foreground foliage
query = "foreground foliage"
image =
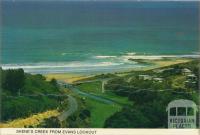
(25, 94)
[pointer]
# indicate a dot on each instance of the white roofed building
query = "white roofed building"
(186, 71)
(145, 77)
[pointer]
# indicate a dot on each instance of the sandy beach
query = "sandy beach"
(72, 77)
(67, 77)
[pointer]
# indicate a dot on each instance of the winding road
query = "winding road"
(72, 107)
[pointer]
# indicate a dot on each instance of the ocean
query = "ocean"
(64, 36)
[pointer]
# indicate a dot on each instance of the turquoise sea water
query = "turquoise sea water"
(95, 36)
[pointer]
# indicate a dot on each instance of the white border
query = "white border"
(96, 131)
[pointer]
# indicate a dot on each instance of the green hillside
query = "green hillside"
(25, 94)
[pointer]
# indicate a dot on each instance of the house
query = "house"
(145, 77)
(191, 80)
(157, 79)
(190, 84)
(191, 77)
(186, 71)
(129, 79)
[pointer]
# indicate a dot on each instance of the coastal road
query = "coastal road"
(72, 107)
(103, 81)
(76, 90)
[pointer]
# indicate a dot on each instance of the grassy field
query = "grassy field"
(91, 87)
(33, 120)
(100, 112)
(95, 88)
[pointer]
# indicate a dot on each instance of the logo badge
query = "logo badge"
(182, 114)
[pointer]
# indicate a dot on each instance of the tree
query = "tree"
(143, 97)
(1, 77)
(52, 122)
(84, 114)
(54, 83)
(13, 80)
(128, 118)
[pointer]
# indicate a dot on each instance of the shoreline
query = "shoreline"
(154, 64)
